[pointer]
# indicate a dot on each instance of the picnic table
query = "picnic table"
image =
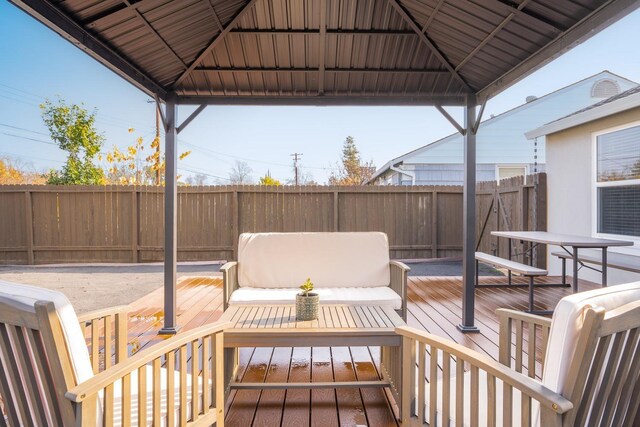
(565, 241)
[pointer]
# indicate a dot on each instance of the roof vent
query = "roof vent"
(605, 88)
(531, 98)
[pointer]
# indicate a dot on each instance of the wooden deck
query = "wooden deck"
(434, 305)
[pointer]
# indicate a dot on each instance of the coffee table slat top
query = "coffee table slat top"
(330, 316)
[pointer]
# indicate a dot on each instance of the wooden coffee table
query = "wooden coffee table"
(337, 325)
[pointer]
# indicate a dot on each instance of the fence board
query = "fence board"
(126, 223)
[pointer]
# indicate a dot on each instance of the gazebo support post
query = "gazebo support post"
(170, 216)
(469, 217)
(171, 129)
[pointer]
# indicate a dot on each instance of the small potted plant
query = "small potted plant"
(307, 302)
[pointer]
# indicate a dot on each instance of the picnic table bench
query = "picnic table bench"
(513, 266)
(619, 261)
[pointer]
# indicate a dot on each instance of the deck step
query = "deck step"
(524, 269)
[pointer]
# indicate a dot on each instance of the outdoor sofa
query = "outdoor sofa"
(346, 268)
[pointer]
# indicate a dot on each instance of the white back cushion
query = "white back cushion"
(68, 320)
(331, 260)
(567, 322)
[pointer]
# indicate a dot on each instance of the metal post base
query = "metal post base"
(168, 331)
(467, 329)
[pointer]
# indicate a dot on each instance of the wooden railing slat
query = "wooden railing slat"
(421, 381)
(433, 386)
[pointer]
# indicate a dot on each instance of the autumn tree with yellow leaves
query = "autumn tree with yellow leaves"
(14, 172)
(135, 166)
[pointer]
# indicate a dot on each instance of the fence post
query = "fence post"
(28, 223)
(134, 225)
(434, 223)
(235, 213)
(336, 220)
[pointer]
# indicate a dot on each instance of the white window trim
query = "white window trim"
(635, 249)
(511, 165)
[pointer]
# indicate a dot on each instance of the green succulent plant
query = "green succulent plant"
(306, 287)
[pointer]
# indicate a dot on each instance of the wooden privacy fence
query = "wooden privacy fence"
(66, 224)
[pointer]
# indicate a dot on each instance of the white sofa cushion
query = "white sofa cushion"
(567, 322)
(358, 296)
(73, 335)
(331, 260)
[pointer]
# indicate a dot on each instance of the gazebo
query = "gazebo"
(441, 53)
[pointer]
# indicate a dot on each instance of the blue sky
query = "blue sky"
(38, 64)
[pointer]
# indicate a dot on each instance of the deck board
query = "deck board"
(434, 305)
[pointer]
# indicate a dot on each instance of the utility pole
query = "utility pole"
(296, 158)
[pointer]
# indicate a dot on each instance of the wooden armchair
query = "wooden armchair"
(49, 377)
(590, 374)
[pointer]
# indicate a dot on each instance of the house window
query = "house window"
(509, 171)
(618, 182)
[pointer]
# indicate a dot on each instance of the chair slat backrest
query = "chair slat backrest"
(604, 380)
(37, 365)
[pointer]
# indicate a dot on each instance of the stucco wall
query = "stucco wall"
(569, 186)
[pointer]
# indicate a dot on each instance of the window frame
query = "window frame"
(525, 166)
(595, 185)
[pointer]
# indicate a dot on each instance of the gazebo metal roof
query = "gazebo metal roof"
(326, 52)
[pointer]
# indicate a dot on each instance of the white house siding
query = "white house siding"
(451, 174)
(570, 183)
(501, 140)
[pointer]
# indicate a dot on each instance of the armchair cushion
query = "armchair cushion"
(566, 325)
(331, 260)
(362, 296)
(73, 335)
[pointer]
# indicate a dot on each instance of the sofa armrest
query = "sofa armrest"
(399, 272)
(229, 281)
(512, 319)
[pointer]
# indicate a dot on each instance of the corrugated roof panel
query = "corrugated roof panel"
(371, 47)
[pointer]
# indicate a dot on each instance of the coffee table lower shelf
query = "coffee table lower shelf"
(336, 326)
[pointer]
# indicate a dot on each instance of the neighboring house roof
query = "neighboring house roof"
(398, 160)
(623, 101)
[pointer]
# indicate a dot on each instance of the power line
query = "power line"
(30, 157)
(24, 129)
(196, 170)
(30, 139)
(110, 120)
(218, 153)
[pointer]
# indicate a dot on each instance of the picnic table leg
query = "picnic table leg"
(575, 269)
(604, 266)
(531, 294)
(509, 240)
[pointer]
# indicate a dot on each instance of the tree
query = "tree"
(73, 129)
(13, 171)
(131, 165)
(351, 170)
(268, 180)
(197, 179)
(241, 173)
